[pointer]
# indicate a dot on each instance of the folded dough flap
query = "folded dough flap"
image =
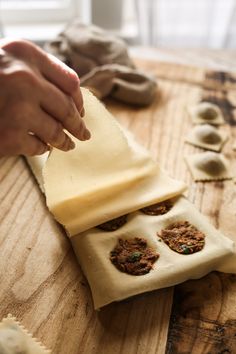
(104, 177)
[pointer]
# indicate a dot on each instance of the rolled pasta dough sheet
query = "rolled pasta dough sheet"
(108, 284)
(103, 178)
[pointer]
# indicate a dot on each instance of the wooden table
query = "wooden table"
(41, 281)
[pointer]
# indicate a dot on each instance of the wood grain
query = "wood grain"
(203, 318)
(41, 281)
(42, 284)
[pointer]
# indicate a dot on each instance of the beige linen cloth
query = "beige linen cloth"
(102, 62)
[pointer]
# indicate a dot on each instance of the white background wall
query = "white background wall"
(161, 23)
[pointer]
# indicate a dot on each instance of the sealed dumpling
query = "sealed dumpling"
(206, 112)
(211, 163)
(207, 137)
(209, 166)
(208, 134)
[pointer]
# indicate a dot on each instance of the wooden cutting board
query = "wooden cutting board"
(41, 281)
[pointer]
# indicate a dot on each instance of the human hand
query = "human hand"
(39, 97)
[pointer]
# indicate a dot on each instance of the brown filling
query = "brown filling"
(114, 224)
(158, 209)
(182, 237)
(208, 113)
(133, 256)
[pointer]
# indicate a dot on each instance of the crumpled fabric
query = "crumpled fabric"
(102, 62)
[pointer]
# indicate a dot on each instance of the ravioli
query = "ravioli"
(206, 112)
(207, 137)
(209, 166)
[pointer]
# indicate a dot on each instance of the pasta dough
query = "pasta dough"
(14, 339)
(206, 112)
(108, 284)
(208, 166)
(110, 176)
(103, 178)
(207, 137)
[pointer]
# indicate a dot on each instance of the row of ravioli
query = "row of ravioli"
(210, 165)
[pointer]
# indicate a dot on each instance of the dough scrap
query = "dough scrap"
(108, 284)
(207, 137)
(36, 164)
(209, 166)
(14, 339)
(103, 178)
(206, 112)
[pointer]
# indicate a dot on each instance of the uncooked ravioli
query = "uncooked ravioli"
(133, 256)
(207, 111)
(207, 137)
(158, 208)
(211, 163)
(183, 237)
(209, 166)
(207, 134)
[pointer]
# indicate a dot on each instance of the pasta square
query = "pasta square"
(109, 284)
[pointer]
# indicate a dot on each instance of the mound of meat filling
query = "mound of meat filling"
(182, 237)
(114, 224)
(158, 208)
(133, 256)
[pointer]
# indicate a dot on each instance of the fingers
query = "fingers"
(50, 131)
(50, 67)
(33, 146)
(21, 143)
(44, 98)
(63, 77)
(62, 108)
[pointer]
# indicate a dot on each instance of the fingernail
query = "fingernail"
(87, 134)
(82, 113)
(71, 145)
